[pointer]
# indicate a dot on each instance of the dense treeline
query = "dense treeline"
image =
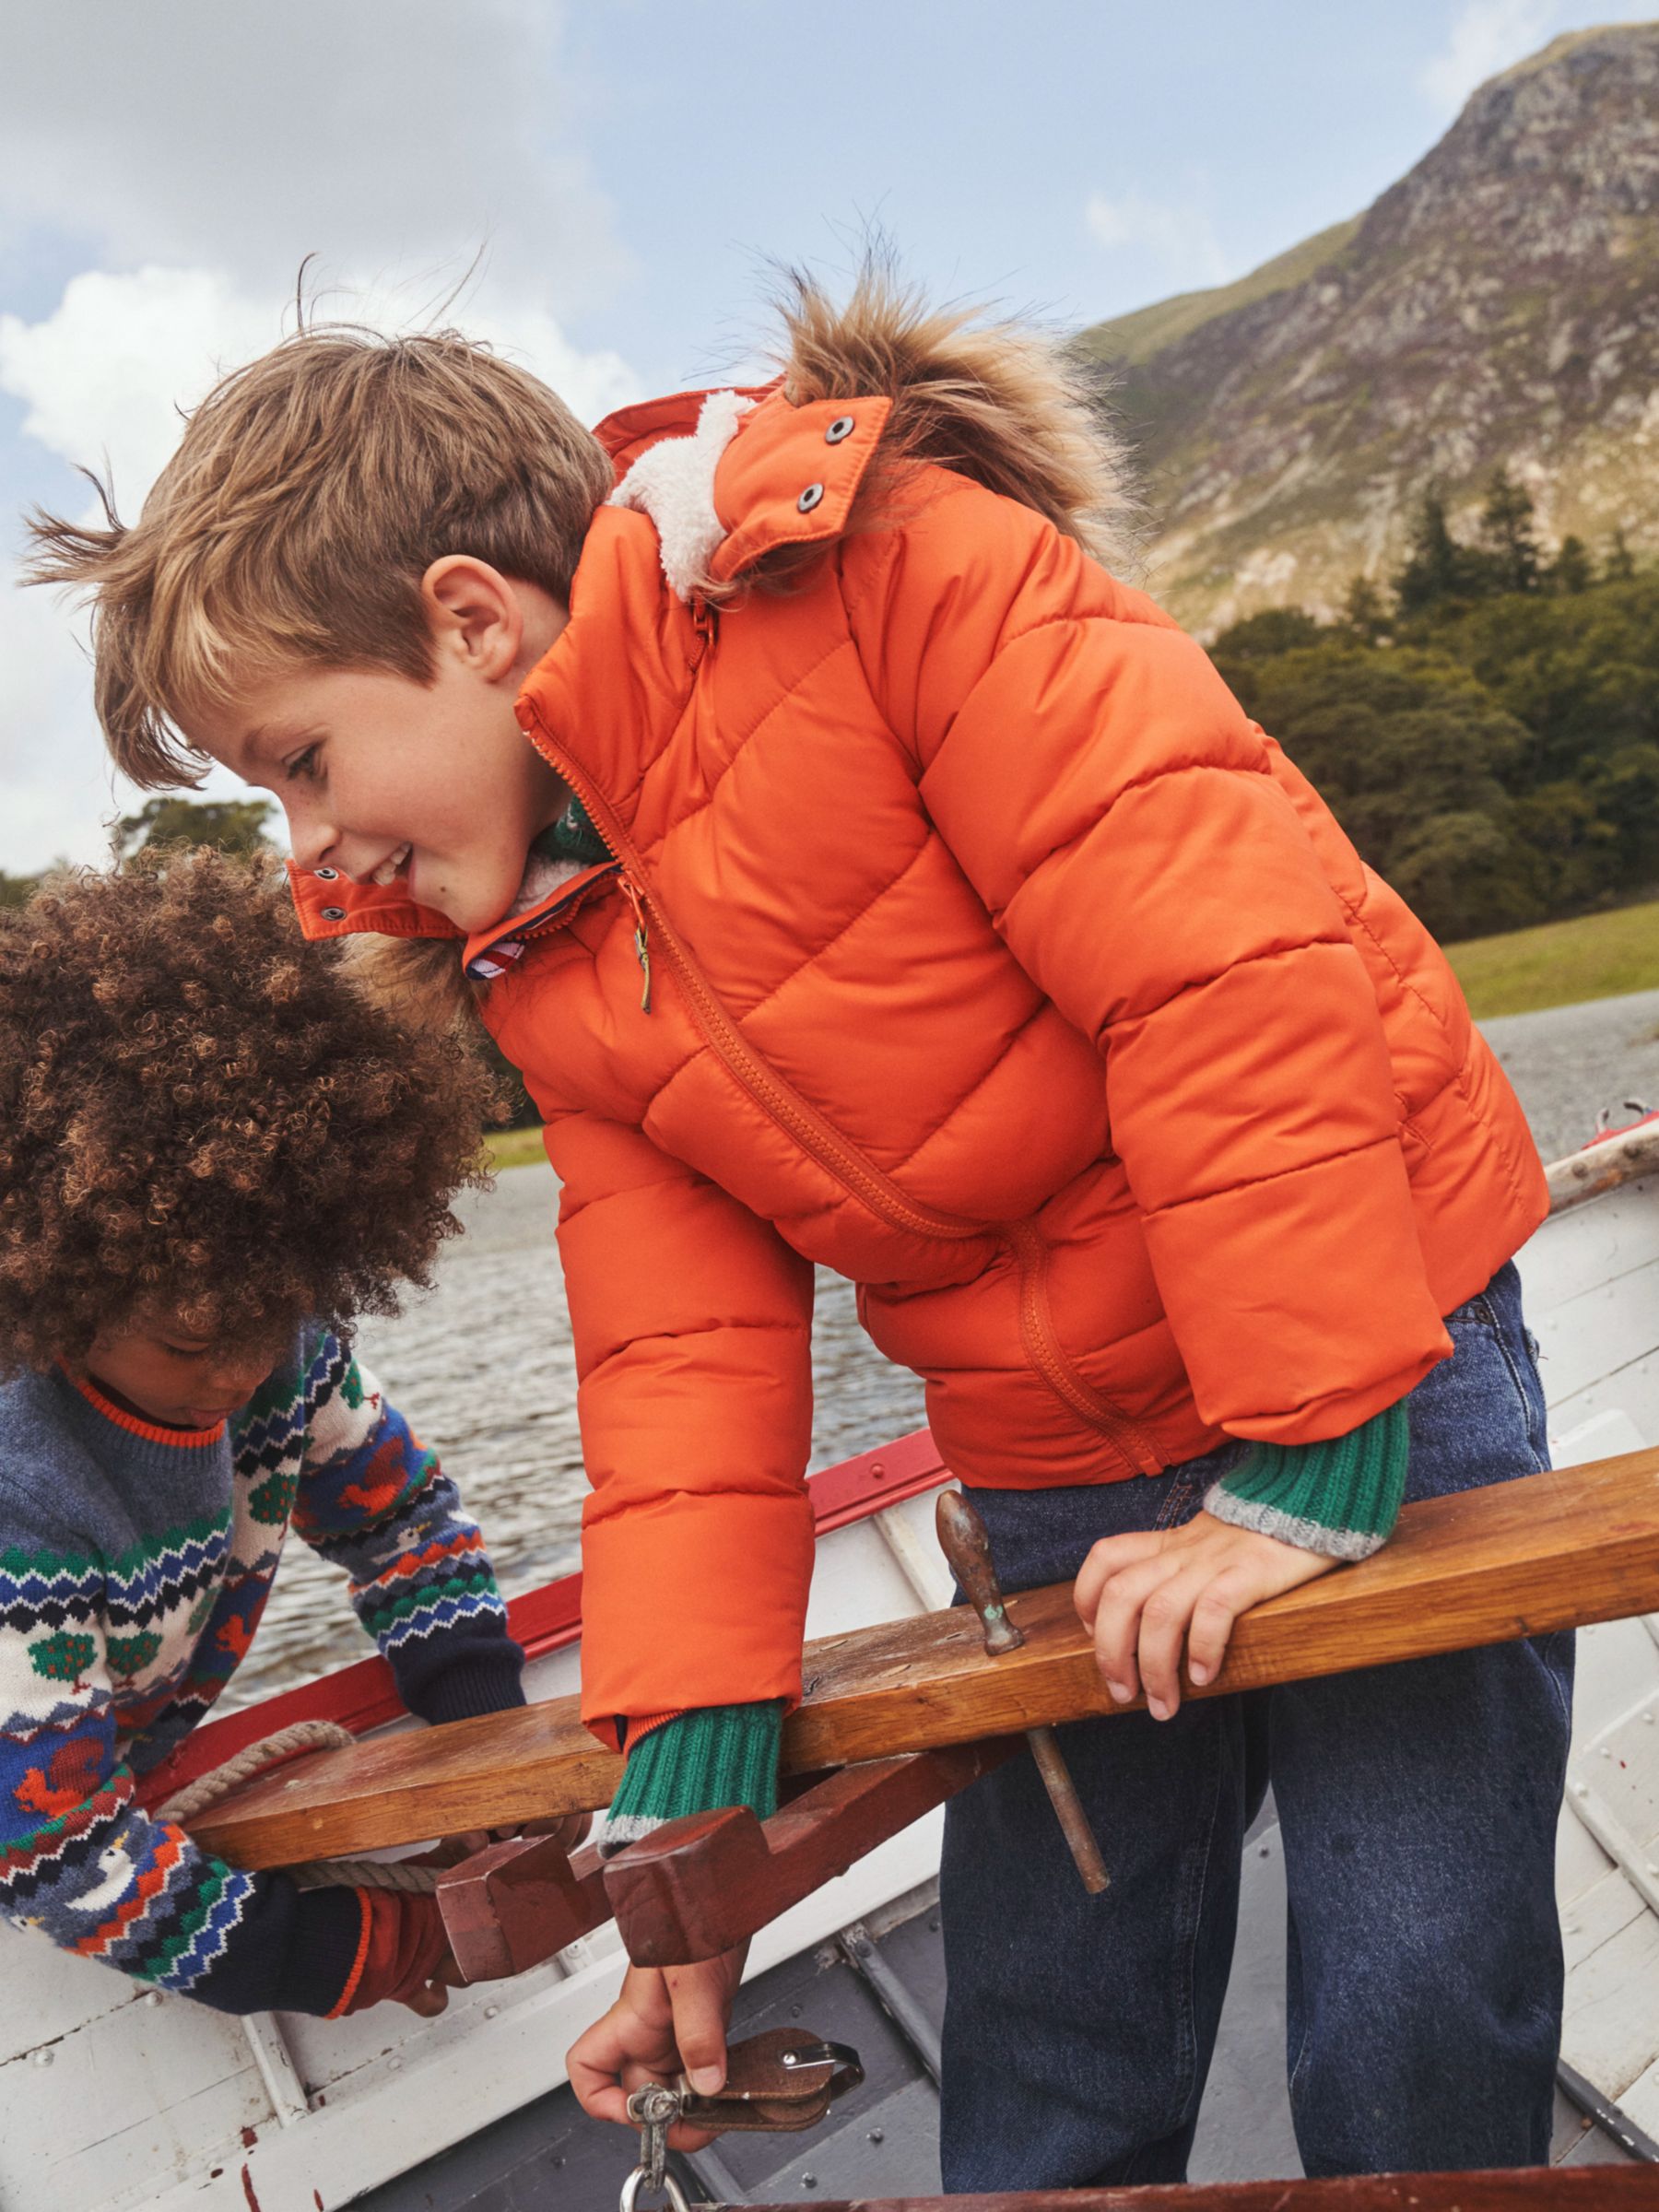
(1488, 730)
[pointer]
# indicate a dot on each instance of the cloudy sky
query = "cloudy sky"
(621, 171)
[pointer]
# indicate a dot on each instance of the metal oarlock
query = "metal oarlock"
(653, 2111)
(777, 2082)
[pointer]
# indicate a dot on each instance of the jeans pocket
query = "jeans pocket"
(1479, 1417)
(1186, 1495)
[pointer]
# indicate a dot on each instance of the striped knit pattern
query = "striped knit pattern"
(1341, 1496)
(134, 1570)
(696, 1763)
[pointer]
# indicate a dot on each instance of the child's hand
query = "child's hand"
(406, 1959)
(1145, 1596)
(667, 2021)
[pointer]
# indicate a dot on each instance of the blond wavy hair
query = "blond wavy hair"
(309, 495)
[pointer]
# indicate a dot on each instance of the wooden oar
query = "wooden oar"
(1548, 1552)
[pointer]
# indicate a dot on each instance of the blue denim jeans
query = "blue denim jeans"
(1418, 1805)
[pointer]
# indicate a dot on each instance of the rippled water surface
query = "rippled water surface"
(483, 1368)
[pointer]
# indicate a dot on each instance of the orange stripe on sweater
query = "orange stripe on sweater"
(355, 1975)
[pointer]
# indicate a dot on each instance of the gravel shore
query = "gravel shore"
(1569, 1062)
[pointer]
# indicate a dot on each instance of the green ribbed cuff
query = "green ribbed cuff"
(1340, 1497)
(717, 1755)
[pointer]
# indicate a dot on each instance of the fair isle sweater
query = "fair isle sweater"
(134, 1563)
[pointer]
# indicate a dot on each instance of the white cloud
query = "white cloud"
(107, 372)
(1486, 36)
(1180, 240)
(185, 158)
(405, 134)
(104, 379)
(110, 370)
(53, 770)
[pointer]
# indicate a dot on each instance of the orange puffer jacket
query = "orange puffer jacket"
(996, 959)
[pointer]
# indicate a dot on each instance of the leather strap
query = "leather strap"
(777, 2082)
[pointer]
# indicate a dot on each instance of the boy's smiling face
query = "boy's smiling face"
(385, 777)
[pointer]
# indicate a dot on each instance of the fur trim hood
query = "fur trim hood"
(999, 404)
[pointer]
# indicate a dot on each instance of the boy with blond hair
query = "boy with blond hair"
(861, 875)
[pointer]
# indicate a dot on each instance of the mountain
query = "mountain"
(1499, 304)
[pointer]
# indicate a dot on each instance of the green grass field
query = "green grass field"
(1598, 956)
(513, 1148)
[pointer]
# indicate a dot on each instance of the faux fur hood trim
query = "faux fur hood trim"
(996, 401)
(674, 484)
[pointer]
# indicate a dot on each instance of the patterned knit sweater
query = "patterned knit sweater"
(134, 1563)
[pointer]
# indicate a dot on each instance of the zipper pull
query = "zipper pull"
(642, 940)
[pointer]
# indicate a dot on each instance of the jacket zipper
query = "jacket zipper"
(839, 1159)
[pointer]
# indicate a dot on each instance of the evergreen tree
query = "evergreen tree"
(1437, 569)
(1507, 535)
(1571, 571)
(1620, 564)
(1364, 611)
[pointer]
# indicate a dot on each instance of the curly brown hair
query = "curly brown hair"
(204, 1122)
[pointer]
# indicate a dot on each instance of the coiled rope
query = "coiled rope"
(274, 1751)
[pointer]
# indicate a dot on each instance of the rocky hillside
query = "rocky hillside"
(1499, 303)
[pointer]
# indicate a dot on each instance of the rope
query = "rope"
(274, 1751)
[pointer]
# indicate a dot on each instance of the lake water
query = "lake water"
(483, 1370)
(482, 1366)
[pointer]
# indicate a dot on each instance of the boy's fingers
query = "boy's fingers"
(1107, 1558)
(1165, 1621)
(1212, 1617)
(700, 1996)
(632, 2044)
(1117, 1623)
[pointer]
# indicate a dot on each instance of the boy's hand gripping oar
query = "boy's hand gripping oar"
(967, 1549)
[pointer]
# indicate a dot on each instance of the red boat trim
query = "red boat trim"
(364, 1696)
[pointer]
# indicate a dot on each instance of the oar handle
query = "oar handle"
(967, 1548)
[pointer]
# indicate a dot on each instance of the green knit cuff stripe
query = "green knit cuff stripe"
(698, 1762)
(1340, 1497)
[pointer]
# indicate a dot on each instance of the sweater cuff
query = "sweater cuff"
(477, 1682)
(697, 1762)
(1340, 1497)
(302, 1953)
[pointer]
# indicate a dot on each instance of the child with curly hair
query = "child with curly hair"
(860, 874)
(212, 1155)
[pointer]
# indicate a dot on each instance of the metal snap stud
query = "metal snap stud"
(334, 914)
(842, 427)
(810, 498)
(326, 875)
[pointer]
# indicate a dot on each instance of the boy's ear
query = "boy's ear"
(473, 611)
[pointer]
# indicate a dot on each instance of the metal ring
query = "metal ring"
(636, 2182)
(325, 874)
(842, 427)
(810, 498)
(334, 914)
